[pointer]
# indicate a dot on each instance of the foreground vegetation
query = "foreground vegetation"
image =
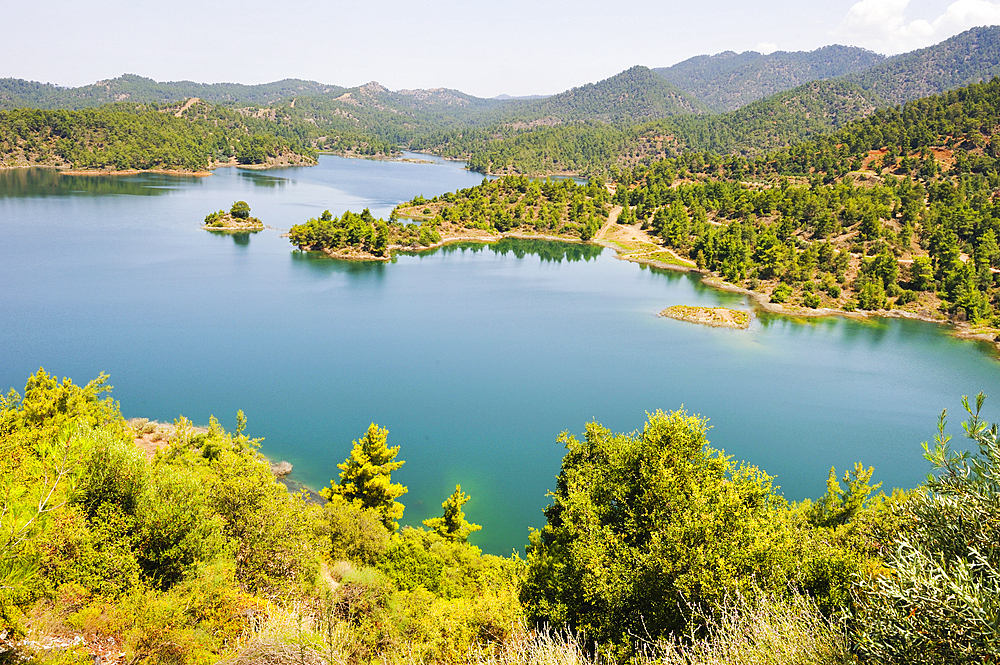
(657, 547)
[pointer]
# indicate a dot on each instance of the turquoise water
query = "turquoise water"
(475, 358)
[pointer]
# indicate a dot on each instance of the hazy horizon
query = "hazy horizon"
(520, 49)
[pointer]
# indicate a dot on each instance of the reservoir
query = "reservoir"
(474, 357)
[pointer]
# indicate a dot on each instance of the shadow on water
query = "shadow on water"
(41, 182)
(319, 262)
(262, 179)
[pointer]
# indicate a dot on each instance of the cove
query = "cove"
(474, 357)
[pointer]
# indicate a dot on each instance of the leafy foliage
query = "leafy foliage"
(453, 525)
(365, 478)
(646, 527)
(940, 597)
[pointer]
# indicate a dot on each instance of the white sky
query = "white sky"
(517, 47)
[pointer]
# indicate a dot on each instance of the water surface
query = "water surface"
(475, 358)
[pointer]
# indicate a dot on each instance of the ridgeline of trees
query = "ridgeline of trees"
(727, 81)
(657, 548)
(18, 93)
(128, 136)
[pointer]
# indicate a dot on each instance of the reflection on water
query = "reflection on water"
(547, 250)
(323, 264)
(262, 179)
(241, 238)
(42, 182)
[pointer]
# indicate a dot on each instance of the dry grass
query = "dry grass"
(758, 631)
(536, 648)
(762, 631)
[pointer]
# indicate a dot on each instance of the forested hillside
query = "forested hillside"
(628, 119)
(727, 81)
(896, 211)
(780, 120)
(128, 136)
(632, 96)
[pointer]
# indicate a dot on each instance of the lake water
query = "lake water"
(474, 358)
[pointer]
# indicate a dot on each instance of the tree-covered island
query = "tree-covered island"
(238, 219)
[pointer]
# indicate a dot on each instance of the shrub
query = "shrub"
(640, 521)
(781, 293)
(240, 210)
(940, 598)
(355, 533)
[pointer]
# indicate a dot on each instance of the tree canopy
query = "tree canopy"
(365, 478)
(453, 525)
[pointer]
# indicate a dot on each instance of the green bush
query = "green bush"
(939, 600)
(355, 533)
(240, 210)
(644, 523)
(781, 293)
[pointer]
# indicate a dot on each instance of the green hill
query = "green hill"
(727, 81)
(970, 57)
(123, 136)
(634, 95)
(778, 121)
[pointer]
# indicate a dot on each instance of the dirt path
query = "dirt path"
(188, 104)
(608, 225)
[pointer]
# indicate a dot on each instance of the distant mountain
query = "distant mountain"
(823, 106)
(635, 95)
(728, 81)
(970, 57)
(18, 93)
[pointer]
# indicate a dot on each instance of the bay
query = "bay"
(474, 357)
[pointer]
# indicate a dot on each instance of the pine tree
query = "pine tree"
(365, 477)
(453, 525)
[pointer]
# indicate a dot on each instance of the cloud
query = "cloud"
(767, 48)
(882, 25)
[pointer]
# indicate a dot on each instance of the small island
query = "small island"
(237, 220)
(718, 317)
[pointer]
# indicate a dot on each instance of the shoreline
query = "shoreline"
(66, 170)
(474, 235)
(124, 172)
(763, 302)
(634, 245)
